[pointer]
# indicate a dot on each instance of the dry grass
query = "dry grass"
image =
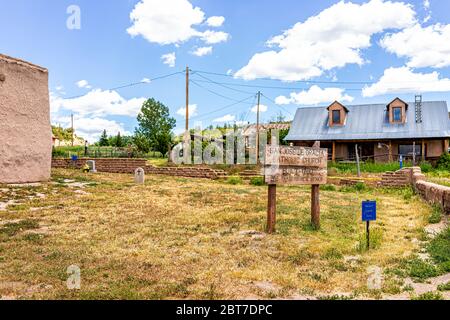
(178, 238)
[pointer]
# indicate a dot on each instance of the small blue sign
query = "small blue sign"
(74, 158)
(369, 210)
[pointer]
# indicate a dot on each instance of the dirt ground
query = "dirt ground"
(177, 238)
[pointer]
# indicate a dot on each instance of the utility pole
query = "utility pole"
(187, 98)
(257, 127)
(73, 132)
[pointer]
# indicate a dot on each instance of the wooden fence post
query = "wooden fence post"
(271, 208)
(315, 206)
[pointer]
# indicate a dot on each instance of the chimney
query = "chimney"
(418, 108)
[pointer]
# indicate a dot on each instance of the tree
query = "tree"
(156, 125)
(141, 142)
(118, 142)
(103, 142)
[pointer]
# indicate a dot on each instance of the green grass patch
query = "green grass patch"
(257, 181)
(444, 287)
(234, 180)
(436, 215)
(11, 229)
(429, 296)
(375, 237)
(439, 250)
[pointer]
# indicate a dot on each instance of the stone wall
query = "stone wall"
(431, 192)
(25, 131)
(124, 165)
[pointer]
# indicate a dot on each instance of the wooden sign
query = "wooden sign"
(299, 166)
(296, 156)
(295, 165)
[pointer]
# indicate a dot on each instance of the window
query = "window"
(397, 114)
(407, 150)
(336, 117)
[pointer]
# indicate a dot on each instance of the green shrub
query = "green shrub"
(408, 193)
(420, 269)
(436, 215)
(257, 181)
(426, 167)
(332, 254)
(328, 187)
(234, 180)
(443, 162)
(439, 248)
(360, 186)
(444, 287)
(429, 296)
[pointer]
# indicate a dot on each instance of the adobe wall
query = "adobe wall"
(25, 130)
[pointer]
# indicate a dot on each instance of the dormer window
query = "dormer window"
(336, 117)
(397, 114)
(337, 114)
(397, 111)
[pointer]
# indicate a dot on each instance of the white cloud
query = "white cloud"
(192, 111)
(262, 108)
(331, 39)
(83, 84)
(315, 95)
(98, 103)
(424, 47)
(169, 21)
(146, 80)
(215, 21)
(426, 4)
(405, 80)
(202, 51)
(91, 128)
(213, 37)
(169, 59)
(226, 118)
(229, 72)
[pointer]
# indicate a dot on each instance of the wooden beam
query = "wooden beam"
(390, 151)
(315, 206)
(271, 208)
(333, 152)
(423, 150)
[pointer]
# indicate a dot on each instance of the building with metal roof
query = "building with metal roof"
(382, 132)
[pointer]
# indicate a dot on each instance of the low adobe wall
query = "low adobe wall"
(110, 165)
(431, 192)
(125, 165)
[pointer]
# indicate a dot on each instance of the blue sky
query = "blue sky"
(393, 48)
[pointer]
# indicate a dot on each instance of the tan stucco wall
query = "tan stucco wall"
(435, 148)
(25, 131)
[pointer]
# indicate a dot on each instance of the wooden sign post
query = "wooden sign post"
(295, 166)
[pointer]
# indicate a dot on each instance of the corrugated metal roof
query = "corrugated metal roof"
(371, 121)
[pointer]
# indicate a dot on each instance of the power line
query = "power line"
(280, 106)
(132, 84)
(272, 87)
(301, 81)
(213, 92)
(220, 84)
(223, 108)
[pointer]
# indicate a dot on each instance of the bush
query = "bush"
(443, 162)
(444, 287)
(257, 181)
(234, 180)
(360, 186)
(436, 215)
(438, 248)
(429, 296)
(426, 167)
(327, 187)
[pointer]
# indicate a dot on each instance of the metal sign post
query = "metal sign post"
(369, 213)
